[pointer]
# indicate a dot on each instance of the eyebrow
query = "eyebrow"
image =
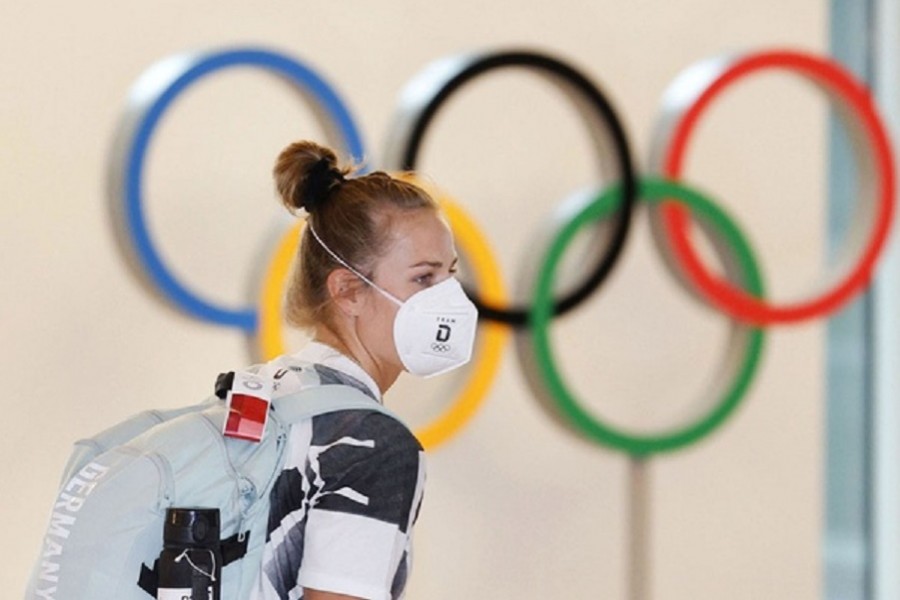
(434, 263)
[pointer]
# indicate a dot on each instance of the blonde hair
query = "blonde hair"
(352, 215)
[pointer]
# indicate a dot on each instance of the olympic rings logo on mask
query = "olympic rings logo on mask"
(673, 205)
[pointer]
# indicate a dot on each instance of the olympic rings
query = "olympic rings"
(426, 93)
(684, 102)
(740, 297)
(153, 93)
(744, 350)
(489, 344)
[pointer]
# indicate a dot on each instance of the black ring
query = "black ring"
(448, 77)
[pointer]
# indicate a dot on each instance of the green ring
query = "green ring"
(721, 225)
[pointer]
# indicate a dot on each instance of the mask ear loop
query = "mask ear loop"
(344, 263)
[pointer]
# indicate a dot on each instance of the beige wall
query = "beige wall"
(516, 506)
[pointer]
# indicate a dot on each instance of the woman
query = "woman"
(373, 281)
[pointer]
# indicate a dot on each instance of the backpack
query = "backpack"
(106, 526)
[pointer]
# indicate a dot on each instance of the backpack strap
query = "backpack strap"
(321, 399)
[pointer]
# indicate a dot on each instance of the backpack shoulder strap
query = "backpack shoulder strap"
(321, 399)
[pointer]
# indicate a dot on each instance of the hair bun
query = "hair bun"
(321, 179)
(305, 175)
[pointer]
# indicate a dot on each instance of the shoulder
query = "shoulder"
(368, 464)
(384, 431)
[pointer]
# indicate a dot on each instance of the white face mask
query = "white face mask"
(434, 329)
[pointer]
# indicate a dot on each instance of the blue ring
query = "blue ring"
(297, 74)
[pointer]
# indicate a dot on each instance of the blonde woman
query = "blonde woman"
(374, 283)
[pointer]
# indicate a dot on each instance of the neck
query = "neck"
(351, 347)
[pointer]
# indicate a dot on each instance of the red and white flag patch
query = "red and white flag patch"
(248, 407)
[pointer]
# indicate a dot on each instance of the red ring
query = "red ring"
(718, 291)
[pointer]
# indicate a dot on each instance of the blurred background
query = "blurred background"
(794, 497)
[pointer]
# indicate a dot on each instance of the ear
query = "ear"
(346, 291)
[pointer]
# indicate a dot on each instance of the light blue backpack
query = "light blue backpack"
(106, 526)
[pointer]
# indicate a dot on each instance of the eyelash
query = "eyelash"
(426, 278)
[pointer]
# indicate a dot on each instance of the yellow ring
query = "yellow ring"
(270, 331)
(491, 339)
